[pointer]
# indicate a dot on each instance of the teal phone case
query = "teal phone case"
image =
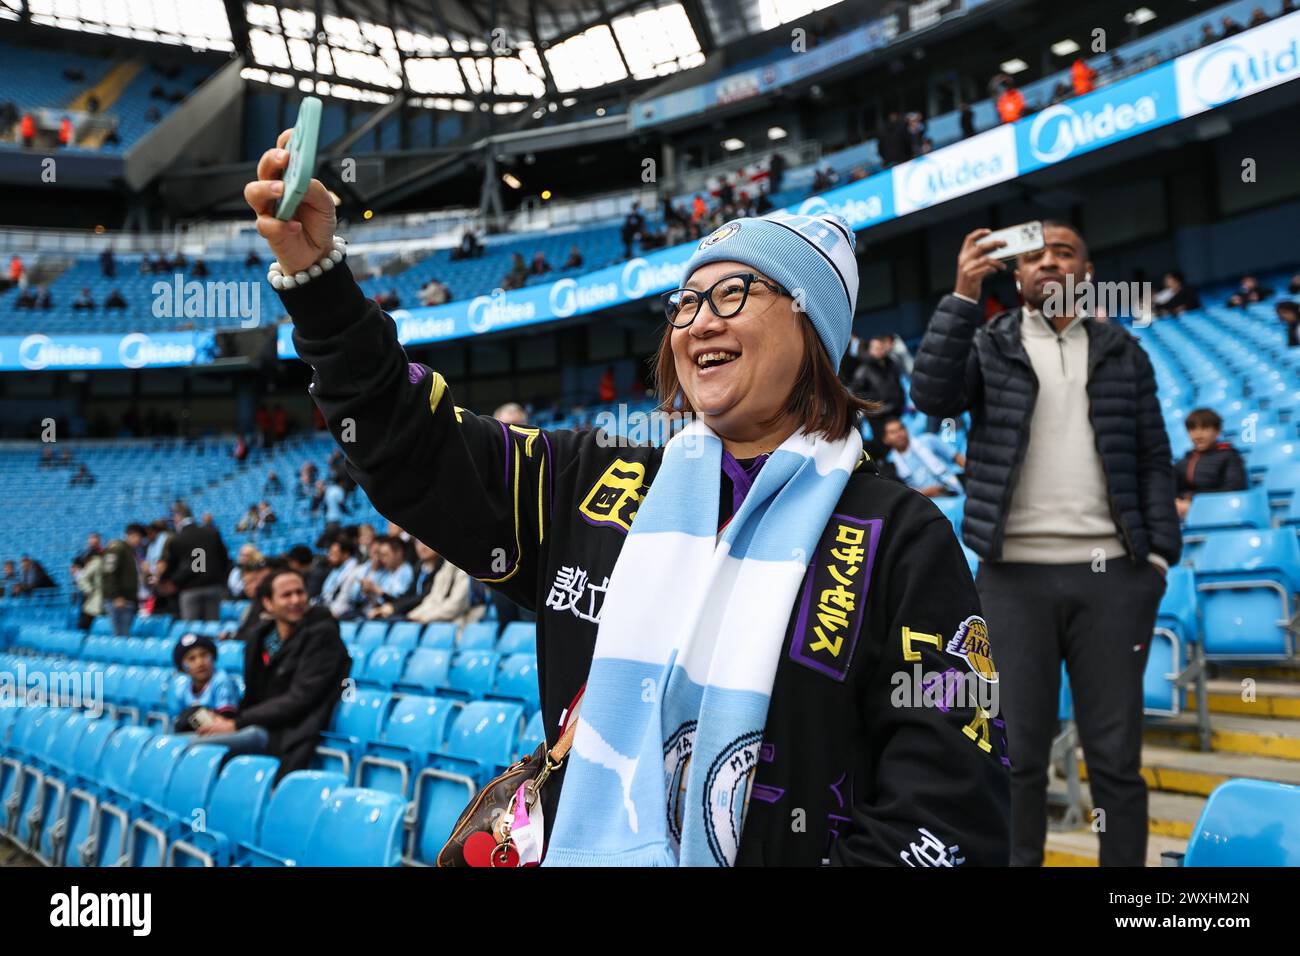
(302, 157)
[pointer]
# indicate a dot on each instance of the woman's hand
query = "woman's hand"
(300, 242)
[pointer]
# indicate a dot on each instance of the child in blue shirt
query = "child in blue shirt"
(199, 684)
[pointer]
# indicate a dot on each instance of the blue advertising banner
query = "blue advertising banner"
(132, 350)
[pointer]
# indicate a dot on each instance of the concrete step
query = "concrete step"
(1172, 770)
(1168, 814)
(1265, 698)
(1081, 848)
(1229, 733)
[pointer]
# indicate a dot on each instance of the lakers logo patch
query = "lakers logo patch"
(971, 644)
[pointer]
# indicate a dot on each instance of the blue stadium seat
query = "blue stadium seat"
(404, 634)
(427, 670)
(1247, 582)
(415, 730)
(184, 803)
(384, 666)
(73, 810)
(234, 818)
(117, 767)
(1247, 823)
(439, 634)
(1224, 510)
(23, 803)
(517, 680)
(147, 788)
(357, 827)
(291, 817)
(357, 720)
(479, 636)
(483, 740)
(519, 637)
(371, 634)
(348, 631)
(534, 733)
(58, 769)
(473, 673)
(230, 656)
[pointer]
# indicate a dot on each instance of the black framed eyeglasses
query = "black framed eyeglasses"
(726, 298)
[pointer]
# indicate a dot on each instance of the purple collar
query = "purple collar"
(742, 477)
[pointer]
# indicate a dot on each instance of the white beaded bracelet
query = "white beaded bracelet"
(280, 281)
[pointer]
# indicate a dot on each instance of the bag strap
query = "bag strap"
(557, 753)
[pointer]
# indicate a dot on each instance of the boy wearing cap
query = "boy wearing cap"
(199, 685)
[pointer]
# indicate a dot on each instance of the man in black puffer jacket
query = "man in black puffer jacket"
(1068, 469)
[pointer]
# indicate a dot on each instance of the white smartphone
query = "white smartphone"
(1026, 237)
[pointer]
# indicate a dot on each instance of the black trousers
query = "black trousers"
(1099, 623)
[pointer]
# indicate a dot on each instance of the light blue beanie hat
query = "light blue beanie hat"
(811, 256)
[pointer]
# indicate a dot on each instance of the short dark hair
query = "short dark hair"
(301, 554)
(891, 420)
(1063, 224)
(1288, 306)
(278, 570)
(1203, 418)
(819, 401)
(347, 543)
(137, 528)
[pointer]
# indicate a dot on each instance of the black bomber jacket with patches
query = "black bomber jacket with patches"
(883, 745)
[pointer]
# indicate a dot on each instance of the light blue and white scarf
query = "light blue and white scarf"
(690, 635)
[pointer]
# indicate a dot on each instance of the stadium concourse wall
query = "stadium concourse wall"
(1191, 85)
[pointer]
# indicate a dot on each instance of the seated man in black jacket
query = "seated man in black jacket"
(1211, 465)
(294, 667)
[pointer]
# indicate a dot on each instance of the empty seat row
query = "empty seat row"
(518, 636)
(467, 674)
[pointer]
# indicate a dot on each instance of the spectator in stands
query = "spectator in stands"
(967, 119)
(1208, 35)
(294, 667)
(200, 269)
(84, 301)
(83, 478)
(162, 265)
(575, 258)
(274, 485)
(539, 266)
(1176, 296)
(31, 577)
(306, 480)
(115, 300)
(334, 501)
(1068, 465)
(1082, 77)
(17, 272)
(1060, 92)
(340, 591)
(776, 171)
(249, 557)
(65, 131)
(607, 390)
(1247, 292)
(65, 458)
(27, 130)
(107, 264)
(1211, 465)
(633, 227)
(26, 299)
(878, 378)
(1293, 286)
(1010, 101)
(47, 458)
(199, 686)
(511, 413)
(392, 577)
(699, 209)
(251, 520)
(9, 578)
(892, 142)
(252, 260)
(87, 575)
(916, 132)
(441, 591)
(266, 515)
(1230, 27)
(900, 353)
(1289, 314)
(240, 451)
(926, 463)
(121, 578)
(197, 566)
(301, 559)
(826, 177)
(434, 292)
(179, 263)
(518, 274)
(469, 248)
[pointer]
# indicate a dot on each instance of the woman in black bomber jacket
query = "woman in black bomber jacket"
(879, 741)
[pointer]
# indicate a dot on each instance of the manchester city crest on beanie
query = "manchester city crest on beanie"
(811, 256)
